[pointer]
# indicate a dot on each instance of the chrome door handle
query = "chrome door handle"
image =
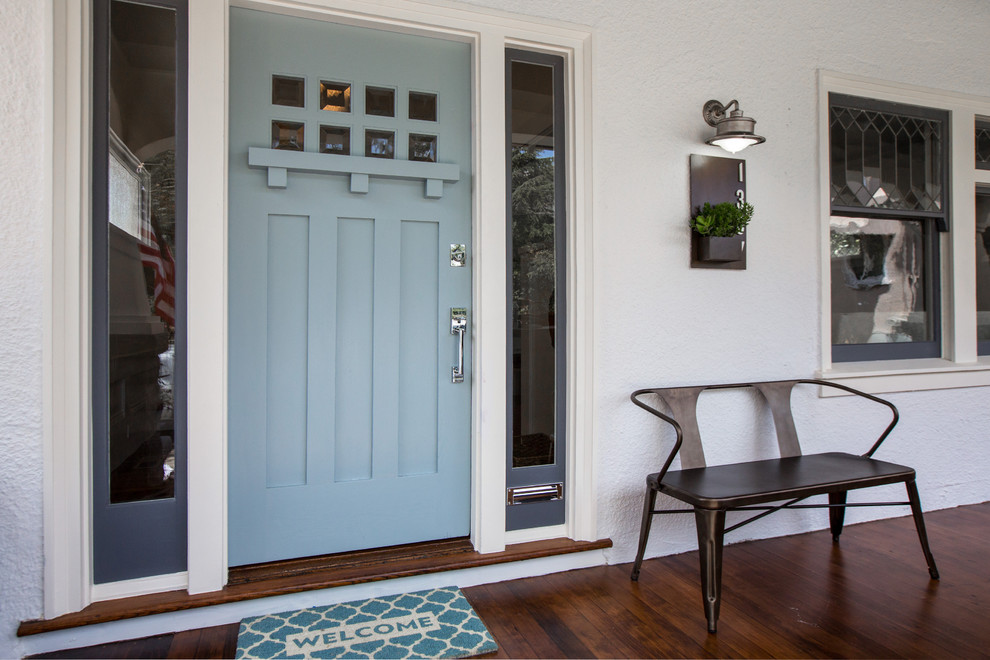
(458, 324)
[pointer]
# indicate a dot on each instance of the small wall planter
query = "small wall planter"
(716, 249)
(715, 180)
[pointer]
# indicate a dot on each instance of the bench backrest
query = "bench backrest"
(683, 402)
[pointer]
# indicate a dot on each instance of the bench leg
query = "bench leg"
(644, 531)
(919, 523)
(711, 532)
(836, 514)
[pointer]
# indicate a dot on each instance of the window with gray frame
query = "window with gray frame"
(888, 172)
(535, 172)
(139, 230)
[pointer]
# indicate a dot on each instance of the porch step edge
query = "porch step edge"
(311, 579)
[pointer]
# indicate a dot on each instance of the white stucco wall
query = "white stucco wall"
(22, 259)
(657, 320)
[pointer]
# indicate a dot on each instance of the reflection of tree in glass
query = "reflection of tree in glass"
(533, 265)
(161, 168)
(844, 245)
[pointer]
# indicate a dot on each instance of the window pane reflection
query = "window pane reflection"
(983, 268)
(533, 266)
(141, 262)
(879, 282)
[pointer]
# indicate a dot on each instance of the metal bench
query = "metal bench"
(750, 486)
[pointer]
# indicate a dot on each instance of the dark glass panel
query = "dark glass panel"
(534, 266)
(983, 145)
(423, 147)
(880, 284)
(335, 96)
(335, 140)
(885, 160)
(379, 144)
(287, 135)
(423, 106)
(141, 268)
(983, 270)
(379, 101)
(288, 90)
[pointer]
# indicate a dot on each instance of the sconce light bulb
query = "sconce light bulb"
(735, 144)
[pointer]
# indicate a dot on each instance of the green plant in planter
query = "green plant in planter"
(725, 219)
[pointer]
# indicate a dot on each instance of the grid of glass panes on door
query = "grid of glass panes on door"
(338, 107)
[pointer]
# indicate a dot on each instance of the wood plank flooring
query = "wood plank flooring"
(793, 597)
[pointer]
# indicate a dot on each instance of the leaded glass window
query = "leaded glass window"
(889, 196)
(982, 145)
(887, 159)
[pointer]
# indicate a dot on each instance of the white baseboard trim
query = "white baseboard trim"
(140, 586)
(536, 534)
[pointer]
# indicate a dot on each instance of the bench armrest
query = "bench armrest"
(895, 416)
(635, 397)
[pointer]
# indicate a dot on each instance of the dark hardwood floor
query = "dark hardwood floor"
(793, 597)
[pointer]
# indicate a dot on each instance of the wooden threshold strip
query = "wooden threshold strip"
(309, 574)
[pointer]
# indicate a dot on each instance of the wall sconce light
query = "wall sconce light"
(733, 131)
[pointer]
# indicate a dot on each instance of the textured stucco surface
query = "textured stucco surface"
(657, 321)
(21, 293)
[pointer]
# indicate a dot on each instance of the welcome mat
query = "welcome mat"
(436, 623)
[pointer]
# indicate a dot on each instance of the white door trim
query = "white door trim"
(67, 458)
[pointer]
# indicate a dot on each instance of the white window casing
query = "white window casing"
(959, 366)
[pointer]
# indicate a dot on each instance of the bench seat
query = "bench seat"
(775, 479)
(712, 491)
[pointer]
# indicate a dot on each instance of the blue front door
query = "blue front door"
(349, 175)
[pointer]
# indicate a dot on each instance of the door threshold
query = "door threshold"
(312, 573)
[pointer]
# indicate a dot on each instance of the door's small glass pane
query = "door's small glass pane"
(423, 106)
(335, 96)
(423, 147)
(880, 282)
(983, 271)
(534, 266)
(335, 140)
(379, 101)
(287, 135)
(288, 90)
(379, 144)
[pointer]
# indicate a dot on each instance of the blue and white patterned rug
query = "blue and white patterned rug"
(437, 623)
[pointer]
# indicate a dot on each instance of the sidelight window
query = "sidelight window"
(537, 334)
(139, 192)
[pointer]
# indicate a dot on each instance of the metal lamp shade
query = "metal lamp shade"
(735, 133)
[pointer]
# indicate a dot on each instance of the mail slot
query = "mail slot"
(541, 493)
